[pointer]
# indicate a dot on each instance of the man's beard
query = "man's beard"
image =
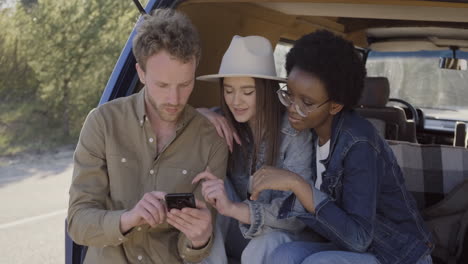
(165, 116)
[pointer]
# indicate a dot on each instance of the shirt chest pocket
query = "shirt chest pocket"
(124, 178)
(175, 179)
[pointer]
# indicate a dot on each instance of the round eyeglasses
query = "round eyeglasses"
(302, 109)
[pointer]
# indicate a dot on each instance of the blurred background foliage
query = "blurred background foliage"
(55, 59)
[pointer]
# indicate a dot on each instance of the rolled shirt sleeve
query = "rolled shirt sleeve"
(89, 223)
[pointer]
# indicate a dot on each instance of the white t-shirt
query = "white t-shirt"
(321, 154)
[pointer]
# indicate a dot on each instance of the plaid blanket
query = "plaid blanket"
(430, 171)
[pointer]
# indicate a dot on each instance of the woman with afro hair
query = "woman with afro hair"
(358, 201)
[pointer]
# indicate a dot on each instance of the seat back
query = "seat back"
(460, 138)
(373, 106)
(430, 171)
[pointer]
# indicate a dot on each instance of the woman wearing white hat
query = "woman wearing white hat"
(249, 103)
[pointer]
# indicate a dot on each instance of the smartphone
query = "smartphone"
(179, 200)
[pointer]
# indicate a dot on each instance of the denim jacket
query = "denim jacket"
(366, 207)
(294, 155)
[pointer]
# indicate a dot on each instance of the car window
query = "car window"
(281, 49)
(417, 78)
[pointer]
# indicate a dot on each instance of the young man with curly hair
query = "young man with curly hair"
(358, 201)
(134, 150)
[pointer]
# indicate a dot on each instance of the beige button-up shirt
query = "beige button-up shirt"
(116, 162)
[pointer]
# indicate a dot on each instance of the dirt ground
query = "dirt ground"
(35, 164)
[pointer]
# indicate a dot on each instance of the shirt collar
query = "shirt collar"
(187, 115)
(140, 107)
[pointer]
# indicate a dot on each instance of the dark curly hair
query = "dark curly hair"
(334, 61)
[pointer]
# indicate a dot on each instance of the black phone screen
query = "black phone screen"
(179, 200)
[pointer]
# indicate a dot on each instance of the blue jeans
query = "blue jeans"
(323, 253)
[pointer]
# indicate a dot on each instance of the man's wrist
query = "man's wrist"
(124, 225)
(200, 244)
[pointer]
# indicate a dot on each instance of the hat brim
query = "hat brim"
(216, 77)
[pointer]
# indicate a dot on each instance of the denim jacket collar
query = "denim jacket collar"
(337, 124)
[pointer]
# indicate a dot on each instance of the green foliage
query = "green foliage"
(56, 57)
(18, 93)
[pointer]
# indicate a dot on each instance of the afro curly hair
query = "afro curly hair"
(334, 61)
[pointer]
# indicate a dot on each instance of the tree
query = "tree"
(18, 90)
(68, 49)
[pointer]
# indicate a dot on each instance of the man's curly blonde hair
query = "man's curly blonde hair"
(169, 30)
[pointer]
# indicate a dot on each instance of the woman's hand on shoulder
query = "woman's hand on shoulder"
(224, 129)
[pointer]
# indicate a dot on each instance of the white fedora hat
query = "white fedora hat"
(250, 56)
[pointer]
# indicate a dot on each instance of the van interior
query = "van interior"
(408, 95)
